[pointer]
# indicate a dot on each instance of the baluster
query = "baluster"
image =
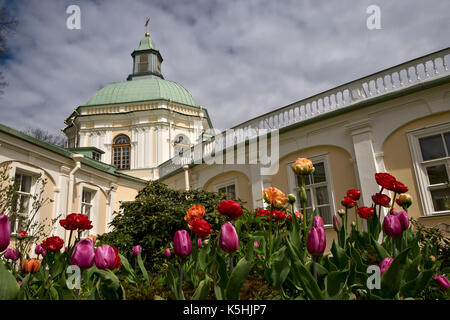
(417, 73)
(444, 64)
(427, 75)
(436, 71)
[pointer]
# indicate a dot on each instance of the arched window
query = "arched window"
(180, 143)
(121, 152)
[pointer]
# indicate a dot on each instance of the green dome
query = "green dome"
(142, 90)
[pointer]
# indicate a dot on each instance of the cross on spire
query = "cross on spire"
(147, 20)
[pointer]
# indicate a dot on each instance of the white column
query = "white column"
(61, 200)
(141, 147)
(256, 184)
(110, 206)
(186, 177)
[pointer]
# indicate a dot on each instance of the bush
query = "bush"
(154, 216)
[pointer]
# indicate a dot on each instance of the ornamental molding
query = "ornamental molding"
(359, 127)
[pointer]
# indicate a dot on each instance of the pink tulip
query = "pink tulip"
(392, 226)
(167, 253)
(12, 254)
(5, 232)
(136, 250)
(83, 254)
(403, 218)
(199, 243)
(385, 263)
(256, 244)
(316, 241)
(336, 223)
(228, 240)
(442, 281)
(105, 256)
(40, 251)
(317, 222)
(182, 244)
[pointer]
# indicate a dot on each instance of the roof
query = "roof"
(68, 154)
(141, 90)
(146, 43)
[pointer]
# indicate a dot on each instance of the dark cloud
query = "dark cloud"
(239, 59)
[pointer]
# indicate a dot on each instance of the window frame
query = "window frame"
(292, 182)
(94, 213)
(420, 165)
(227, 183)
(121, 147)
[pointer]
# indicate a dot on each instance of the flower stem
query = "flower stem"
(314, 266)
(180, 283)
(231, 264)
(303, 200)
(393, 248)
(270, 232)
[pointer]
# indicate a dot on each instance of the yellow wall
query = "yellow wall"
(398, 159)
(124, 194)
(243, 187)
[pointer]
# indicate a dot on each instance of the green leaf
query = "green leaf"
(381, 252)
(307, 280)
(414, 287)
(391, 279)
(203, 289)
(141, 266)
(9, 288)
(237, 279)
(335, 283)
(340, 258)
(280, 268)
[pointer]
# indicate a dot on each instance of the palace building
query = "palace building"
(146, 128)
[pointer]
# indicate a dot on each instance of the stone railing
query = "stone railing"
(410, 73)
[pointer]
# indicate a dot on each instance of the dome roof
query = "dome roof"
(142, 90)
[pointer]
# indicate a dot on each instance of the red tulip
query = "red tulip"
(182, 244)
(279, 215)
(230, 208)
(76, 221)
(104, 257)
(21, 235)
(348, 202)
(83, 254)
(201, 227)
(399, 187)
(5, 232)
(392, 226)
(365, 212)
(381, 199)
(53, 243)
(316, 241)
(385, 180)
(228, 240)
(355, 194)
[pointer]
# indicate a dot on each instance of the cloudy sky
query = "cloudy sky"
(239, 59)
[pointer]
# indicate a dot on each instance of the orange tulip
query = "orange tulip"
(31, 265)
(303, 166)
(274, 197)
(196, 211)
(93, 238)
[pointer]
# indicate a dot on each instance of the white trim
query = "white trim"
(227, 183)
(95, 206)
(419, 164)
(329, 180)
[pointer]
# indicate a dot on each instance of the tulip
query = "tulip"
(392, 226)
(316, 241)
(196, 211)
(291, 198)
(167, 253)
(256, 244)
(365, 212)
(199, 243)
(404, 201)
(83, 254)
(385, 180)
(355, 194)
(30, 266)
(442, 281)
(136, 250)
(93, 238)
(104, 257)
(336, 223)
(182, 244)
(381, 199)
(274, 197)
(5, 232)
(385, 263)
(341, 213)
(317, 222)
(230, 208)
(21, 235)
(348, 202)
(399, 187)
(303, 166)
(12, 254)
(228, 239)
(403, 218)
(40, 251)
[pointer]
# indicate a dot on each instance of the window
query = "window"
(142, 62)
(121, 152)
(181, 143)
(89, 205)
(229, 190)
(86, 203)
(318, 189)
(96, 156)
(430, 149)
(23, 204)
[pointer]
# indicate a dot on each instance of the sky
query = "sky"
(238, 58)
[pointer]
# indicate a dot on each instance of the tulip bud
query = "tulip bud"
(341, 212)
(442, 281)
(355, 194)
(4, 232)
(392, 226)
(336, 223)
(167, 253)
(105, 256)
(316, 241)
(228, 239)
(256, 244)
(182, 244)
(40, 251)
(93, 238)
(21, 235)
(83, 254)
(317, 222)
(12, 254)
(348, 202)
(303, 166)
(292, 198)
(136, 250)
(199, 243)
(403, 218)
(385, 263)
(404, 200)
(30, 266)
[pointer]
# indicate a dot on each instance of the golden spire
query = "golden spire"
(147, 34)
